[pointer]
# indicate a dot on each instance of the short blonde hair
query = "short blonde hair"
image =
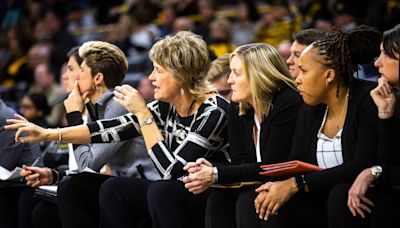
(185, 54)
(219, 68)
(108, 59)
(266, 73)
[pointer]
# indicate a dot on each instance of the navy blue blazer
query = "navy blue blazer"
(275, 138)
(359, 138)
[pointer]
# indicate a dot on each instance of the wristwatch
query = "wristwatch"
(376, 171)
(147, 121)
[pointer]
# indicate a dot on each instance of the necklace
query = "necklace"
(342, 116)
(181, 132)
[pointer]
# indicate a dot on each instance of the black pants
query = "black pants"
(171, 205)
(16, 204)
(77, 200)
(126, 201)
(123, 203)
(45, 215)
(385, 213)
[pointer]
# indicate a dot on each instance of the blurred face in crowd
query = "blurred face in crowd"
(237, 79)
(167, 88)
(223, 87)
(28, 109)
(388, 67)
(71, 74)
(293, 61)
(43, 78)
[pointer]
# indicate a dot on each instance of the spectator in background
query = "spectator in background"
(300, 41)
(16, 202)
(45, 83)
(207, 10)
(220, 37)
(245, 25)
(34, 107)
(218, 75)
(38, 53)
(276, 25)
(183, 24)
(61, 40)
(17, 71)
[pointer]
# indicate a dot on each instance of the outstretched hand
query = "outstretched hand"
(26, 131)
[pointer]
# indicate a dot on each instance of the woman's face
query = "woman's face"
(86, 81)
(240, 86)
(388, 67)
(71, 74)
(311, 82)
(28, 109)
(166, 89)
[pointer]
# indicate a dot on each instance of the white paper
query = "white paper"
(49, 188)
(5, 174)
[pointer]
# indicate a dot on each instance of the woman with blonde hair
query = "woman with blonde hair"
(261, 120)
(186, 121)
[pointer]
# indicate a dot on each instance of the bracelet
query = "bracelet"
(215, 175)
(300, 182)
(59, 135)
(56, 177)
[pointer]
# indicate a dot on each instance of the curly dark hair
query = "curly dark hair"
(344, 51)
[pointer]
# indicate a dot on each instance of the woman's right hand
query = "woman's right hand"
(384, 99)
(27, 131)
(75, 100)
(36, 176)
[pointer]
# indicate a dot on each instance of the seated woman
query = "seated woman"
(336, 130)
(34, 107)
(383, 206)
(185, 122)
(260, 128)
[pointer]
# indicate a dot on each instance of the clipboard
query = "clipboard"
(290, 168)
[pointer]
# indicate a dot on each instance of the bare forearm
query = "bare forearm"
(77, 134)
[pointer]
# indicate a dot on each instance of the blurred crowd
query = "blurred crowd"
(37, 34)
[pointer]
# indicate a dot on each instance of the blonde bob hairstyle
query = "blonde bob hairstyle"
(185, 55)
(266, 73)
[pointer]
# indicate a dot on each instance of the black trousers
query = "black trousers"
(77, 200)
(126, 201)
(45, 215)
(16, 204)
(385, 213)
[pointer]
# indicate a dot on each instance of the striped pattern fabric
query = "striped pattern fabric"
(202, 134)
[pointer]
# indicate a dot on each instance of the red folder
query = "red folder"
(289, 168)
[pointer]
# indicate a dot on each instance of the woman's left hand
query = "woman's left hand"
(200, 180)
(131, 99)
(273, 196)
(357, 202)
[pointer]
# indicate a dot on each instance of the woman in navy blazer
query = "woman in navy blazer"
(336, 130)
(261, 121)
(380, 204)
